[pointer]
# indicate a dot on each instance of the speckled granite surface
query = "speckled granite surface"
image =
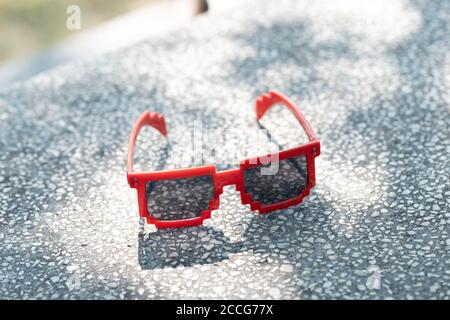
(371, 76)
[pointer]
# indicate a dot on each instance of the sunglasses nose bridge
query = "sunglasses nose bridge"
(227, 177)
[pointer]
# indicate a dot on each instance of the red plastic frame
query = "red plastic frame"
(138, 179)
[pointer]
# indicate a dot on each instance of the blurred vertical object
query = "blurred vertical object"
(199, 6)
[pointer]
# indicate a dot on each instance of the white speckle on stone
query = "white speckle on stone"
(435, 287)
(361, 287)
(239, 262)
(275, 293)
(286, 268)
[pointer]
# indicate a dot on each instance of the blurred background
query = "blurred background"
(30, 25)
(35, 35)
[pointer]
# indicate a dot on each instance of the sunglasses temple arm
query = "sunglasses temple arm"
(151, 119)
(267, 100)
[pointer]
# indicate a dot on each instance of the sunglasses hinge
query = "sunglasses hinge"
(133, 182)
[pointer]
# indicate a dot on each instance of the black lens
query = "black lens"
(273, 186)
(179, 199)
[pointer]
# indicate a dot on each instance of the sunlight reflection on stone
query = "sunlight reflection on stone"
(349, 192)
(383, 22)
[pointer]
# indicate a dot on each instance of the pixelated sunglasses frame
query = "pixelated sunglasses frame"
(139, 179)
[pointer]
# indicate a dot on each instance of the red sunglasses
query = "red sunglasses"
(185, 197)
